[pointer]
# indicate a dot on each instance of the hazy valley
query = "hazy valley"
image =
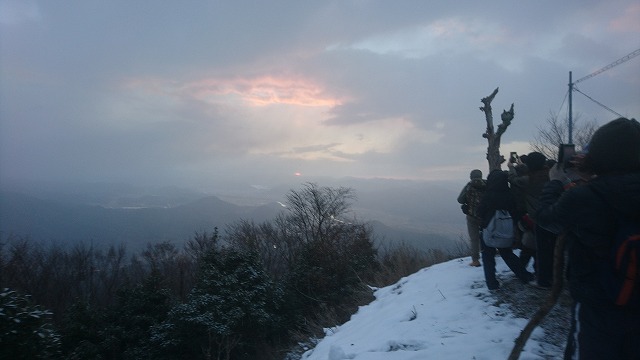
(424, 215)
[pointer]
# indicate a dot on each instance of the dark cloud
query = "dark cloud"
(191, 93)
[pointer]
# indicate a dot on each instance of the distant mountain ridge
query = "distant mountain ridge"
(419, 215)
(27, 216)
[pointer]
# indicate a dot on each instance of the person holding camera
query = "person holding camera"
(470, 199)
(529, 186)
(525, 237)
(591, 215)
(499, 197)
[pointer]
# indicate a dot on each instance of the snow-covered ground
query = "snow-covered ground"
(441, 312)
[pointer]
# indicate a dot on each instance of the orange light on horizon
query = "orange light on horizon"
(264, 90)
(255, 91)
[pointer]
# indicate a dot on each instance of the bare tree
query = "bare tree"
(314, 214)
(314, 209)
(493, 137)
(555, 132)
(201, 243)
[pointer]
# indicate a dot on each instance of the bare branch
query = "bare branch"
(493, 138)
(506, 117)
(555, 132)
(488, 112)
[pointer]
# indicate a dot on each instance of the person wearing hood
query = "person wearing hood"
(470, 199)
(498, 197)
(590, 213)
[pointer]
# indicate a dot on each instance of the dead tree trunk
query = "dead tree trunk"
(493, 137)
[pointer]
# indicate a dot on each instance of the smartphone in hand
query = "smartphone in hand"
(566, 152)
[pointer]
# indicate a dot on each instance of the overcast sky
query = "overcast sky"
(195, 92)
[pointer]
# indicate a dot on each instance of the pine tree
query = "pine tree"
(25, 329)
(232, 309)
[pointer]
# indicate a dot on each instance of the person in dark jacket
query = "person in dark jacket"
(498, 196)
(589, 213)
(530, 186)
(525, 236)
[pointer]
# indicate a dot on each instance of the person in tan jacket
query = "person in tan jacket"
(470, 199)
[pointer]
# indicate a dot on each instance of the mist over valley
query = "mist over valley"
(421, 214)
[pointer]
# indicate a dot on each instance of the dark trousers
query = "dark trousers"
(526, 255)
(545, 245)
(512, 261)
(603, 333)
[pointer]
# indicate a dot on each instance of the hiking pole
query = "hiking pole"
(556, 289)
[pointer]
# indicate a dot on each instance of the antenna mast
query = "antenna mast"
(570, 109)
(571, 84)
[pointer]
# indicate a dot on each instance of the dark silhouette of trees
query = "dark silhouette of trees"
(555, 132)
(232, 309)
(241, 295)
(322, 255)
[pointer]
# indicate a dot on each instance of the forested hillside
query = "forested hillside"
(254, 292)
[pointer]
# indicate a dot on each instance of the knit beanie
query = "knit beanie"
(615, 147)
(475, 174)
(535, 161)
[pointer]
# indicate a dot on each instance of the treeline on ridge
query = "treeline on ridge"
(258, 291)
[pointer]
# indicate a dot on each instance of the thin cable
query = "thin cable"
(613, 64)
(597, 102)
(566, 94)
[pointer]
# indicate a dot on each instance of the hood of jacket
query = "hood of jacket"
(498, 181)
(621, 192)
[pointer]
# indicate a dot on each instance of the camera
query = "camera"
(513, 157)
(566, 152)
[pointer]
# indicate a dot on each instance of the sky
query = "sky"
(199, 93)
(441, 312)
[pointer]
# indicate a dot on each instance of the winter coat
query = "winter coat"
(498, 196)
(590, 213)
(471, 195)
(530, 187)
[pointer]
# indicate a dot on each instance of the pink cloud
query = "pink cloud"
(628, 22)
(264, 90)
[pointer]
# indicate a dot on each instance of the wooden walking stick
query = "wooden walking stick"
(556, 289)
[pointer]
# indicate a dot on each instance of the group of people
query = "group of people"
(516, 191)
(582, 202)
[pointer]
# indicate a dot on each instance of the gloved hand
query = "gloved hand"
(557, 173)
(566, 176)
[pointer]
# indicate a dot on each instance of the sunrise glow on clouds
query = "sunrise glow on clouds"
(351, 88)
(257, 91)
(293, 110)
(628, 21)
(261, 91)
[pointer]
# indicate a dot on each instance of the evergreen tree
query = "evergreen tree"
(81, 331)
(228, 315)
(329, 274)
(25, 329)
(130, 321)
